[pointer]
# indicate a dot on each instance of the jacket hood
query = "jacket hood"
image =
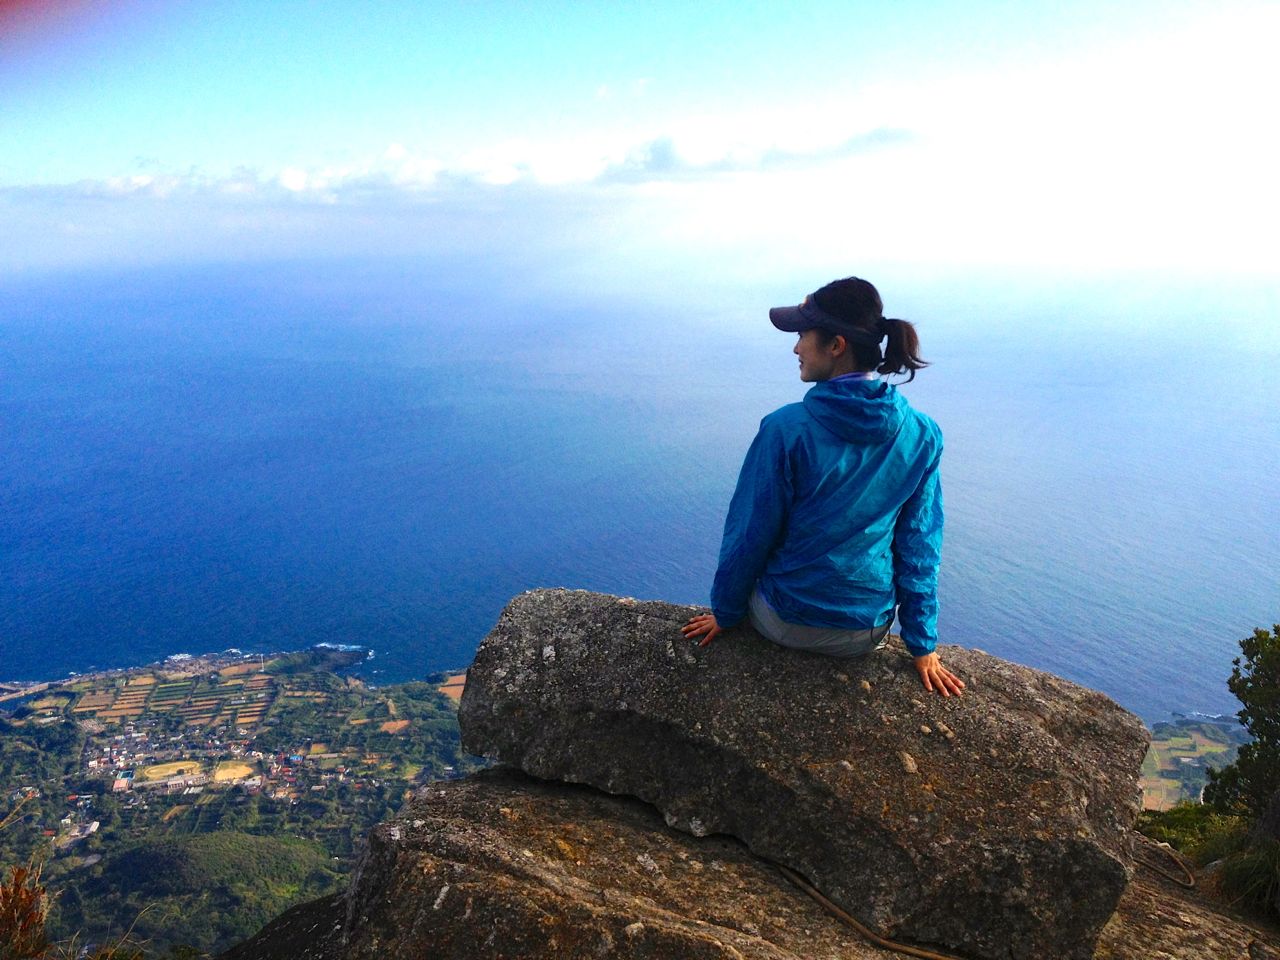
(857, 411)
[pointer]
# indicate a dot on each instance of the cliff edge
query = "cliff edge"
(994, 825)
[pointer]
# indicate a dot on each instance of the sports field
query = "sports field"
(178, 768)
(233, 770)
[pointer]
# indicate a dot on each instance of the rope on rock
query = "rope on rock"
(1189, 883)
(851, 921)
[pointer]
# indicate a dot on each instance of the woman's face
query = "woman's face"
(816, 361)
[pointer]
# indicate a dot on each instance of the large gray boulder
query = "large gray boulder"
(996, 824)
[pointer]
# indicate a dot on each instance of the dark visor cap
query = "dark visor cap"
(808, 315)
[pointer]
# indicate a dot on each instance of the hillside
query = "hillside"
(178, 773)
(207, 890)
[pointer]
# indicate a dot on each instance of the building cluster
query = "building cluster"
(143, 759)
(191, 727)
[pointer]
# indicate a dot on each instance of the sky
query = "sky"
(613, 139)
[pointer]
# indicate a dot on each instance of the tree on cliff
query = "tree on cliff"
(1254, 778)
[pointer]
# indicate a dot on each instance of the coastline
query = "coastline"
(180, 665)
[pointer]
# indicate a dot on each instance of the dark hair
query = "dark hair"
(857, 302)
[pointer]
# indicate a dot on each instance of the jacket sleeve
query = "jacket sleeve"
(917, 552)
(755, 525)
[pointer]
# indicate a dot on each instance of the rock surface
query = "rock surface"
(1002, 832)
(499, 866)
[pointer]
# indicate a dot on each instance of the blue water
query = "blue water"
(276, 456)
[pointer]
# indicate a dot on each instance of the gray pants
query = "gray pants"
(831, 641)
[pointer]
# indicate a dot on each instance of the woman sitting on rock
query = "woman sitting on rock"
(837, 516)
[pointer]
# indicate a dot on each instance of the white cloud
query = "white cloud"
(586, 160)
(294, 179)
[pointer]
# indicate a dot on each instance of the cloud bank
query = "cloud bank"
(1153, 157)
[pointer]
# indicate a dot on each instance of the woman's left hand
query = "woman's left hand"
(703, 623)
(936, 677)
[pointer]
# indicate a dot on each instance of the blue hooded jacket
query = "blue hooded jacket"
(838, 515)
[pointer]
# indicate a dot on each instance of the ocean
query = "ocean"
(266, 457)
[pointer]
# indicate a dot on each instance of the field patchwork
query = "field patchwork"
(1176, 767)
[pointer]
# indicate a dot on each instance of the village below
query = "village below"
(194, 799)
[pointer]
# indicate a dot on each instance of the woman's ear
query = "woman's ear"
(838, 345)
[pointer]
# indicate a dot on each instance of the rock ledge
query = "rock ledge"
(995, 824)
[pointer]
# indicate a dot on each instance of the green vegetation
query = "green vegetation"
(315, 659)
(1196, 830)
(24, 910)
(210, 890)
(1252, 781)
(348, 719)
(195, 862)
(35, 762)
(1248, 864)
(1234, 827)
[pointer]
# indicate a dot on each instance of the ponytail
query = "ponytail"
(857, 303)
(902, 351)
